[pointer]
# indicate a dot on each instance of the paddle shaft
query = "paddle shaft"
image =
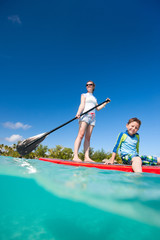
(75, 118)
(30, 144)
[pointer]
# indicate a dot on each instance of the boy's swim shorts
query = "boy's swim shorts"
(146, 160)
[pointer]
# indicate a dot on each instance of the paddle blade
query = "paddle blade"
(29, 144)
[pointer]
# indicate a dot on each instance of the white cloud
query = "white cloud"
(15, 19)
(14, 138)
(16, 125)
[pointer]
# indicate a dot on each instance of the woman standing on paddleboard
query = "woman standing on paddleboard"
(86, 122)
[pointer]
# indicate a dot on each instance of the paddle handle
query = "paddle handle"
(76, 117)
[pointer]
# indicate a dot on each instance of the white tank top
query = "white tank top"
(90, 102)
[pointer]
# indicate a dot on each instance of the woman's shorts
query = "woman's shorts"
(89, 118)
(146, 160)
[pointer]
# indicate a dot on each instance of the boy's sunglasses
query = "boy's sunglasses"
(89, 84)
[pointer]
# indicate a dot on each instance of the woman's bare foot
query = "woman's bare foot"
(88, 160)
(77, 160)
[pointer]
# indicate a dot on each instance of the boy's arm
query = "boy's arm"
(115, 150)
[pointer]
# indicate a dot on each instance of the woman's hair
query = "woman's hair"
(93, 84)
(134, 120)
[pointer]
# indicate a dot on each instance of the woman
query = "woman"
(86, 122)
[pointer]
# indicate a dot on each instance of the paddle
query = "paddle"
(28, 145)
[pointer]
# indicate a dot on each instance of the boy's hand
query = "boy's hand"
(108, 161)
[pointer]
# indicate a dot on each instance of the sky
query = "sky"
(49, 49)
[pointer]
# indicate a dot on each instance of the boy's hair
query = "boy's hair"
(134, 120)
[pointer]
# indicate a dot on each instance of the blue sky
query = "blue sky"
(50, 49)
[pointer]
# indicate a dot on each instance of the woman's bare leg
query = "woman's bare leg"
(77, 143)
(88, 134)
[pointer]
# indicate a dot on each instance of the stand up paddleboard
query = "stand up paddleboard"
(116, 167)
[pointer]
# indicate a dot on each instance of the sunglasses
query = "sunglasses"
(89, 84)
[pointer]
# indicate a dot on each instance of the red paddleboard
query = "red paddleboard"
(116, 167)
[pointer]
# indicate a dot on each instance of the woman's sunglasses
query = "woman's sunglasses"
(89, 84)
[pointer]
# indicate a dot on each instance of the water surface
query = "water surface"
(41, 200)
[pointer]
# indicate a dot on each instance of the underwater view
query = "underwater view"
(41, 200)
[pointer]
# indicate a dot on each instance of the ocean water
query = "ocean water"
(45, 201)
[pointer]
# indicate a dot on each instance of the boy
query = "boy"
(128, 143)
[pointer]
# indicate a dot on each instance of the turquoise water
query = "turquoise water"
(41, 200)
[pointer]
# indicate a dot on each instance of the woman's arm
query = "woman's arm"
(81, 106)
(103, 105)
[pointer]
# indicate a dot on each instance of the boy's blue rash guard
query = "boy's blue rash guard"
(127, 144)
